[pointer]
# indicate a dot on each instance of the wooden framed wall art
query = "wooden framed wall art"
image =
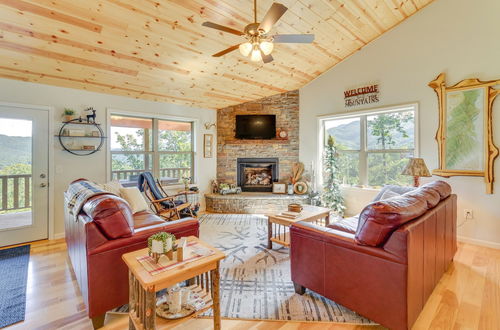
(208, 145)
(465, 132)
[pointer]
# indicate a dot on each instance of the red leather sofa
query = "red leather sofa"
(387, 267)
(105, 230)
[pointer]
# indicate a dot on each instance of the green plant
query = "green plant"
(162, 237)
(68, 112)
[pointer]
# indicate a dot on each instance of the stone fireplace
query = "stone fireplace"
(257, 174)
(285, 107)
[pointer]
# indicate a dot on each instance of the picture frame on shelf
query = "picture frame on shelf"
(279, 188)
(208, 140)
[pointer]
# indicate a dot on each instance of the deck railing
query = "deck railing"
(167, 173)
(15, 192)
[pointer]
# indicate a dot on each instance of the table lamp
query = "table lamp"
(416, 168)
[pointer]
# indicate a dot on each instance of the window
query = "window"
(373, 146)
(164, 147)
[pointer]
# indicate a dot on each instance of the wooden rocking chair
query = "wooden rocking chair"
(165, 206)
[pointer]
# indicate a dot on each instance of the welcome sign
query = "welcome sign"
(362, 95)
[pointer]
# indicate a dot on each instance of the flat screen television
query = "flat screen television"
(255, 126)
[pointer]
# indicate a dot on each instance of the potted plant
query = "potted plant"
(159, 244)
(186, 180)
(68, 114)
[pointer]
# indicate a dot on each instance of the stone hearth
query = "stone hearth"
(252, 202)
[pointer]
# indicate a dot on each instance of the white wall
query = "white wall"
(457, 37)
(70, 167)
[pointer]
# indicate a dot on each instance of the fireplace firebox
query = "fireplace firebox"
(257, 174)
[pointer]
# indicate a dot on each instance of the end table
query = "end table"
(143, 287)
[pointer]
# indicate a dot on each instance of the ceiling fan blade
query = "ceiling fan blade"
(266, 58)
(222, 28)
(272, 16)
(225, 51)
(293, 38)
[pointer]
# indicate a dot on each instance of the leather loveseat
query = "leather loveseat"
(387, 267)
(106, 229)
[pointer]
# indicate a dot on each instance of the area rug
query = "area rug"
(13, 280)
(256, 282)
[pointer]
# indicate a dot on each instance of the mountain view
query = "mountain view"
(390, 131)
(347, 136)
(14, 150)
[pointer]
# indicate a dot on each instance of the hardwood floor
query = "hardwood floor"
(467, 297)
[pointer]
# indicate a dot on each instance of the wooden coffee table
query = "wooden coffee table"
(277, 227)
(143, 287)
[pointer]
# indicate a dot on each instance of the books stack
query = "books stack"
(289, 214)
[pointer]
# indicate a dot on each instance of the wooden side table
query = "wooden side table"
(143, 287)
(277, 227)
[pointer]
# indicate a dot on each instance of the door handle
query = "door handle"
(43, 185)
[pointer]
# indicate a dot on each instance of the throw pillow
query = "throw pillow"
(134, 198)
(394, 188)
(113, 187)
(388, 194)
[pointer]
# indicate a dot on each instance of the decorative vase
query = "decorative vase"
(290, 189)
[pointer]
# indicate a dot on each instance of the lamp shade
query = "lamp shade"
(416, 167)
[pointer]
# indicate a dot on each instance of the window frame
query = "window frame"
(364, 151)
(155, 152)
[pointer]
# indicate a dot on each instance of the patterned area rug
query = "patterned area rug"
(13, 280)
(255, 281)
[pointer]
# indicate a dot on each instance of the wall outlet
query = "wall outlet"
(468, 214)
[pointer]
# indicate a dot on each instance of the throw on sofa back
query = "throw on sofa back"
(379, 219)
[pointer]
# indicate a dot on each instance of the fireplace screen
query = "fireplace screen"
(258, 176)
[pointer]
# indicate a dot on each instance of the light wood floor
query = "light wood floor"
(468, 296)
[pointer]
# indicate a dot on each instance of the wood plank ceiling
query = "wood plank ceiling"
(158, 50)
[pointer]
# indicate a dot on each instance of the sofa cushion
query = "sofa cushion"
(441, 187)
(146, 219)
(348, 225)
(379, 219)
(111, 214)
(427, 194)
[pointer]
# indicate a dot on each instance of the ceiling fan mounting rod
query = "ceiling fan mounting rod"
(255, 11)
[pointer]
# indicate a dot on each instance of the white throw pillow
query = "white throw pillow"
(113, 187)
(388, 194)
(135, 199)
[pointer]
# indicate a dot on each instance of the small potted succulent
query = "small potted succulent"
(159, 244)
(68, 114)
(186, 180)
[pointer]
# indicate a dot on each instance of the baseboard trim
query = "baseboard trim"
(480, 242)
(59, 235)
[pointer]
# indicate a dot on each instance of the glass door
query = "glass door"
(23, 174)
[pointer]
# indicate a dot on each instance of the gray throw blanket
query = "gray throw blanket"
(79, 192)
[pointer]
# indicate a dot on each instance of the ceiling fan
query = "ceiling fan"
(259, 44)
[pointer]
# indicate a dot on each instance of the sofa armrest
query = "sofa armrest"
(339, 238)
(180, 228)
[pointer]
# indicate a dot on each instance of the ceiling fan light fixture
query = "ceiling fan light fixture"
(245, 48)
(256, 54)
(266, 47)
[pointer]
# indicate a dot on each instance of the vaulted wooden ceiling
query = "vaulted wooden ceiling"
(158, 50)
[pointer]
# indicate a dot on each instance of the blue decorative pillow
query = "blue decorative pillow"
(394, 188)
